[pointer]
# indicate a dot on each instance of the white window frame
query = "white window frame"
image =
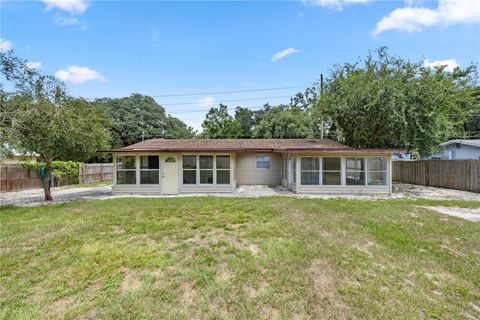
(197, 169)
(137, 178)
(146, 170)
(322, 171)
(364, 170)
(229, 169)
(368, 171)
(197, 176)
(319, 170)
(263, 155)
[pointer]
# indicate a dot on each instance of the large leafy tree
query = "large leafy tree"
(286, 123)
(139, 115)
(218, 124)
(38, 116)
(385, 101)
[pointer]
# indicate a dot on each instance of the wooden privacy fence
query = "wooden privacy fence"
(95, 172)
(451, 174)
(14, 177)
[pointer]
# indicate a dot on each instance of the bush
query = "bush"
(61, 170)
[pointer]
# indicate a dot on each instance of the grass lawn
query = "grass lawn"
(220, 258)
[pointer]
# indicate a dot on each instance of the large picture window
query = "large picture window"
(377, 171)
(149, 169)
(223, 169)
(331, 171)
(263, 162)
(125, 168)
(310, 170)
(355, 171)
(206, 169)
(189, 169)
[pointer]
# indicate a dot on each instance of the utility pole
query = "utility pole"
(321, 111)
(143, 135)
(162, 133)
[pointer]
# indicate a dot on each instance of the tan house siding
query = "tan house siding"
(247, 172)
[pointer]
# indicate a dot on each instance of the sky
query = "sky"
(174, 50)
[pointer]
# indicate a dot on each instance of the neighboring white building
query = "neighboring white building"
(163, 166)
(458, 150)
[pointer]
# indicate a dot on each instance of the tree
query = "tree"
(385, 101)
(286, 123)
(46, 120)
(246, 118)
(139, 115)
(218, 124)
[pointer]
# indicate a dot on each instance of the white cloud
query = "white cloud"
(33, 65)
(334, 4)
(205, 102)
(69, 21)
(413, 19)
(5, 45)
(70, 6)
(450, 64)
(282, 54)
(78, 75)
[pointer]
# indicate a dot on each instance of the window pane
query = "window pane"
(149, 162)
(310, 163)
(149, 177)
(189, 177)
(355, 178)
(355, 164)
(310, 178)
(206, 176)
(126, 177)
(263, 162)
(377, 164)
(331, 178)
(206, 162)
(223, 177)
(377, 178)
(125, 162)
(223, 162)
(189, 162)
(331, 164)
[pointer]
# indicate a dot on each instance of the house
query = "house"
(458, 150)
(182, 166)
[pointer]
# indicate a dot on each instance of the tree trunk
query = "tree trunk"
(47, 180)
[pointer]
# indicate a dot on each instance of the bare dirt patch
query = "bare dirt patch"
(470, 214)
(131, 280)
(60, 306)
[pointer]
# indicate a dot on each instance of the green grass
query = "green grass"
(232, 258)
(92, 184)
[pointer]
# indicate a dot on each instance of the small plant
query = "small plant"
(60, 169)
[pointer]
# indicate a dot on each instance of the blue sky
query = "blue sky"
(115, 48)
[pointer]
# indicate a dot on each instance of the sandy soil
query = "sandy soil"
(471, 214)
(64, 194)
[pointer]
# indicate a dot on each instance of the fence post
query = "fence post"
(101, 172)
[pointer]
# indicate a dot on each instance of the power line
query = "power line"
(221, 101)
(225, 92)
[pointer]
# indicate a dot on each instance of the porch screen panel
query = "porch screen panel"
(149, 169)
(310, 170)
(206, 169)
(331, 171)
(355, 171)
(126, 168)
(377, 171)
(189, 169)
(223, 169)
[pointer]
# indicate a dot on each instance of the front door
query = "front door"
(170, 174)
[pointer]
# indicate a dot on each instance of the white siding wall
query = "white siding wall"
(247, 172)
